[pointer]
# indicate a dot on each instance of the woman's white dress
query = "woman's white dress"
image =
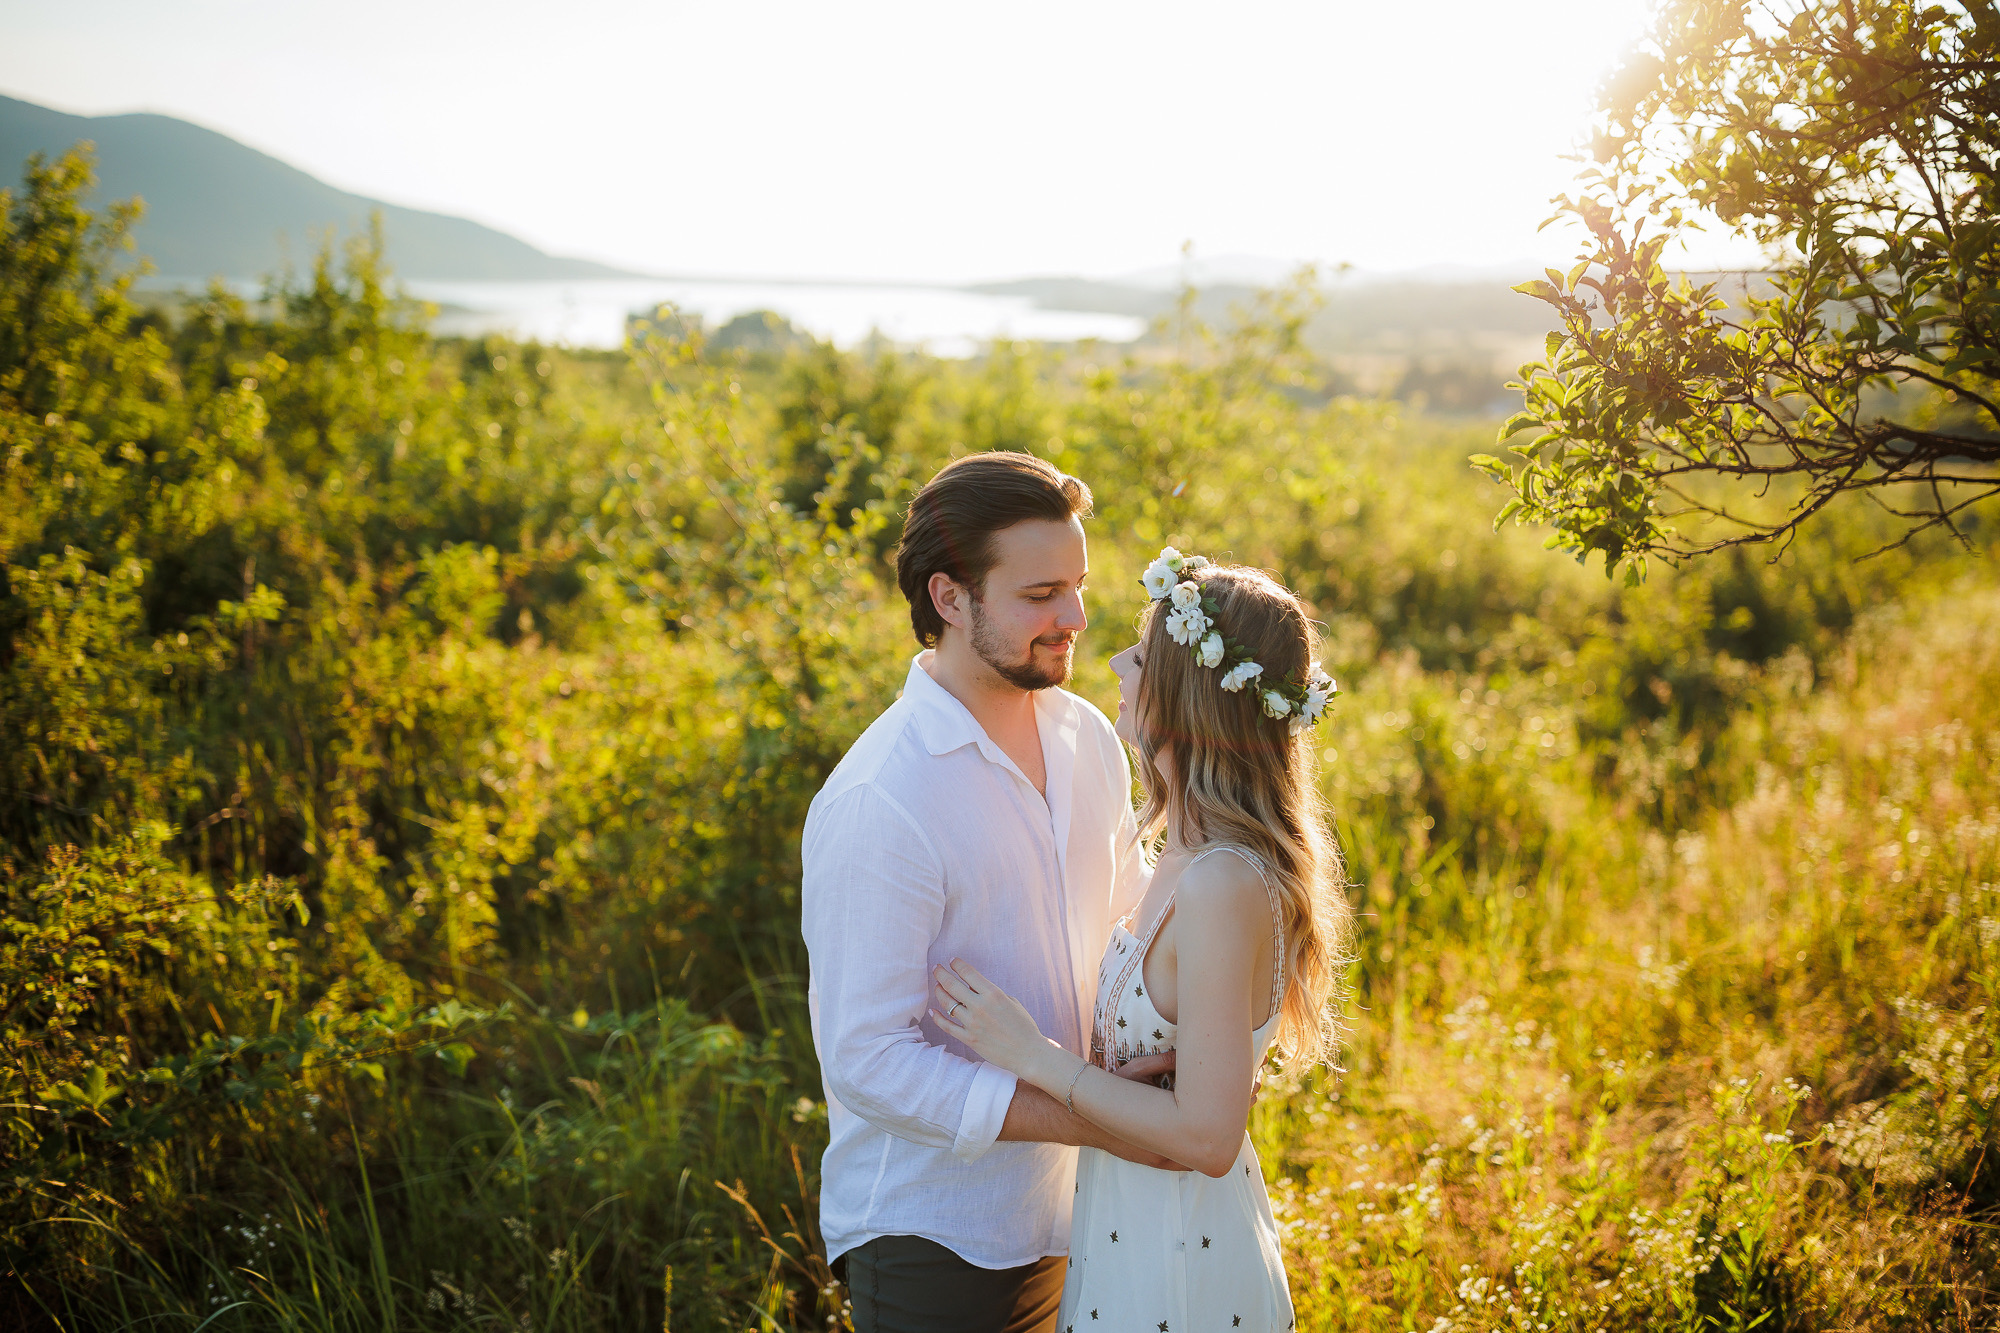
(1155, 1251)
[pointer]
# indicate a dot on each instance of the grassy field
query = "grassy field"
(1736, 1072)
(404, 746)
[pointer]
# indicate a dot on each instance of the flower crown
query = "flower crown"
(1172, 578)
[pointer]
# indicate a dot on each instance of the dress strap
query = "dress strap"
(1103, 1040)
(1277, 917)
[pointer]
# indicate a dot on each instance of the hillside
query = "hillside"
(217, 207)
(1449, 345)
(1355, 314)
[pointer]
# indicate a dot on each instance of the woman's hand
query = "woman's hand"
(992, 1022)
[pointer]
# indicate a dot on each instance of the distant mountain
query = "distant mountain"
(217, 208)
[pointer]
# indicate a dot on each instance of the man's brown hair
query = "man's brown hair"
(950, 524)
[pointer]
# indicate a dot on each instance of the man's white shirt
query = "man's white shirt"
(928, 843)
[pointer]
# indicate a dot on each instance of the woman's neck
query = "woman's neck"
(1179, 837)
(1169, 774)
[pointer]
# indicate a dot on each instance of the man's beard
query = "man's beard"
(1021, 674)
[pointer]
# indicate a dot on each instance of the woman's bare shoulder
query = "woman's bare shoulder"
(1221, 884)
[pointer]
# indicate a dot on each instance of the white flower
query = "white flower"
(1240, 675)
(1171, 558)
(1211, 650)
(1194, 564)
(1158, 578)
(1187, 625)
(1317, 694)
(1297, 725)
(1276, 704)
(1186, 596)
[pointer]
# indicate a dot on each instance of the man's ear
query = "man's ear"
(951, 599)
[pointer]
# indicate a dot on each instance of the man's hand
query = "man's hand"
(1147, 1068)
(1140, 1157)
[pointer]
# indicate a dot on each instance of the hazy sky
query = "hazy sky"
(942, 140)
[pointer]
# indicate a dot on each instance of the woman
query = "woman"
(1238, 942)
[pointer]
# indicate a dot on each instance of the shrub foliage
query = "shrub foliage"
(1854, 142)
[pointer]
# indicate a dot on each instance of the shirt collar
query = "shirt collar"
(945, 724)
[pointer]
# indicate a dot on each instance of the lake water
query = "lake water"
(592, 313)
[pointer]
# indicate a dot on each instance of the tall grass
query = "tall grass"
(1742, 1074)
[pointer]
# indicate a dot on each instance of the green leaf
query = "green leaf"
(96, 1092)
(456, 1056)
(1969, 358)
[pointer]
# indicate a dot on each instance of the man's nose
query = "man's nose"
(1072, 616)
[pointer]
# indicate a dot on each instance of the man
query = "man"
(986, 815)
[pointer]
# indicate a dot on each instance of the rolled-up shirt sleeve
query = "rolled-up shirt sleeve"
(873, 904)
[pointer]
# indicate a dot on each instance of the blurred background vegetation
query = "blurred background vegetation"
(404, 743)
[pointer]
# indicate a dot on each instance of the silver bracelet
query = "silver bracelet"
(1069, 1098)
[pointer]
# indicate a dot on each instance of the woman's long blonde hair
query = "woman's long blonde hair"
(1244, 778)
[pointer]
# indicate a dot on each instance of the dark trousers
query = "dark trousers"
(906, 1284)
